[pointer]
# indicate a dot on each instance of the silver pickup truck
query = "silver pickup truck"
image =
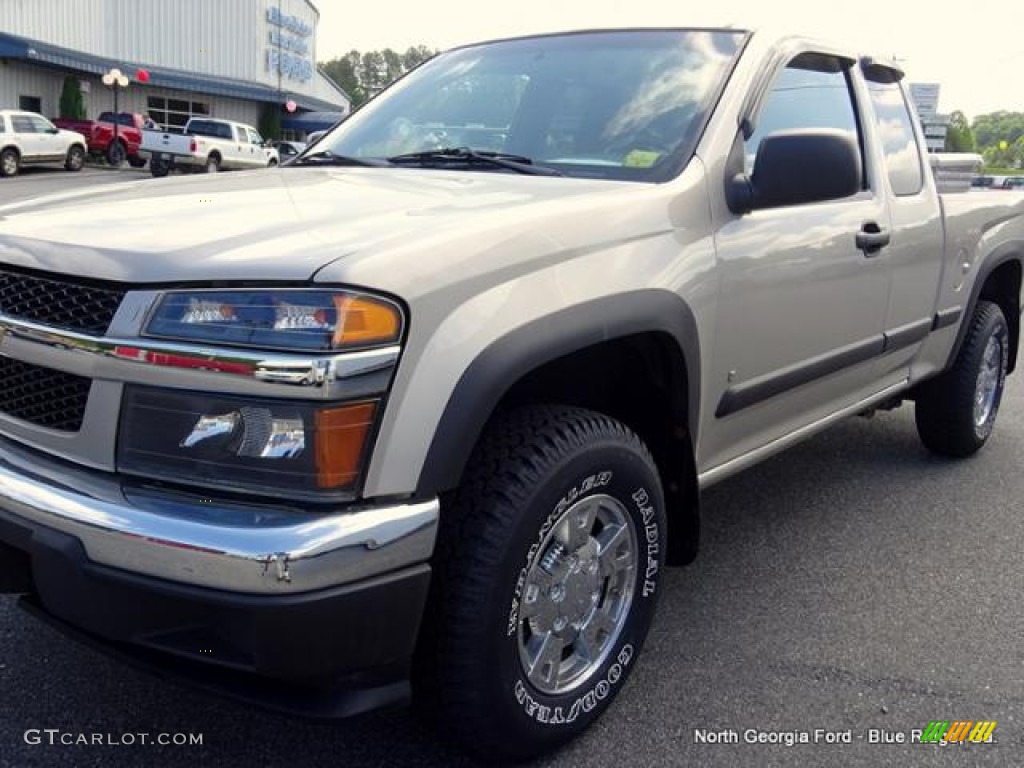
(428, 411)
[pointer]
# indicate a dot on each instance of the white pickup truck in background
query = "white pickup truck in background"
(209, 145)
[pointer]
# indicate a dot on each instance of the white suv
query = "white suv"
(27, 137)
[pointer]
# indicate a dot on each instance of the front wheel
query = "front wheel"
(75, 158)
(956, 411)
(546, 578)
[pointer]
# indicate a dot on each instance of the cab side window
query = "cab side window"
(41, 125)
(896, 130)
(813, 91)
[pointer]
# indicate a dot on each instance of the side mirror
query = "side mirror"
(796, 167)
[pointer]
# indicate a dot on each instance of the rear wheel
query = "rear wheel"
(213, 164)
(116, 153)
(546, 576)
(956, 411)
(159, 167)
(75, 158)
(10, 162)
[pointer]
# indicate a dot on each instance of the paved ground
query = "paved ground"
(849, 584)
(35, 181)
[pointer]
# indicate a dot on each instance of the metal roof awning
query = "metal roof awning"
(44, 54)
(311, 121)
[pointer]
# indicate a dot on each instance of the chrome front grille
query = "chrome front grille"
(59, 301)
(43, 396)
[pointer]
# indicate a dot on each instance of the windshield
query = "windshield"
(616, 105)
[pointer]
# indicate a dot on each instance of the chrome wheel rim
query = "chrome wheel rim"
(76, 159)
(212, 167)
(986, 390)
(10, 164)
(577, 594)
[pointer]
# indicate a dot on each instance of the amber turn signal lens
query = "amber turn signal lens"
(363, 320)
(341, 439)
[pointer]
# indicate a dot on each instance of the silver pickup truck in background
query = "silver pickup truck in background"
(208, 145)
(428, 411)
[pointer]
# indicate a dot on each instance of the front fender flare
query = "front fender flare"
(501, 364)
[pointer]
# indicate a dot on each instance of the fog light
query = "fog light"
(261, 435)
(280, 448)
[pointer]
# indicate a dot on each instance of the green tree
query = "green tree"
(416, 55)
(959, 136)
(991, 129)
(72, 105)
(364, 74)
(270, 121)
(1005, 155)
(345, 72)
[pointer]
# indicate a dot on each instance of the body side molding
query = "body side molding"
(761, 388)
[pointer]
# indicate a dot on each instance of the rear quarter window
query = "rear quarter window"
(899, 143)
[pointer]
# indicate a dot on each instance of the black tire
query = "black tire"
(212, 163)
(116, 153)
(10, 162)
(532, 466)
(272, 163)
(159, 166)
(136, 162)
(75, 159)
(948, 420)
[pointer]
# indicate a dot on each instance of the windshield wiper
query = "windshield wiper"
(468, 156)
(326, 157)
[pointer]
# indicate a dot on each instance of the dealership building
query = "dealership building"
(248, 60)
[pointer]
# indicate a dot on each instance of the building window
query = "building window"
(172, 114)
(30, 104)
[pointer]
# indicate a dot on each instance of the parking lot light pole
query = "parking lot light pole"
(115, 79)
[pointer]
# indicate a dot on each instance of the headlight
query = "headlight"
(310, 320)
(273, 447)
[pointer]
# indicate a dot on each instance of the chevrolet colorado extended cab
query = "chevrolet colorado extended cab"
(429, 410)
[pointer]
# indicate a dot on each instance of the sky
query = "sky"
(977, 57)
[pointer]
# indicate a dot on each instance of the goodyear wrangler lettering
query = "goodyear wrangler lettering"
(583, 703)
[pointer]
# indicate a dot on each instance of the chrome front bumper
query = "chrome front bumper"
(212, 543)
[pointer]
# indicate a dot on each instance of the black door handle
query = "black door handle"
(871, 239)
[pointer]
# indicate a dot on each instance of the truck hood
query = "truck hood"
(279, 225)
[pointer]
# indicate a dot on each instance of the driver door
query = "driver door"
(801, 310)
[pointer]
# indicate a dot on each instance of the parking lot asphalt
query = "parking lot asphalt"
(852, 583)
(40, 180)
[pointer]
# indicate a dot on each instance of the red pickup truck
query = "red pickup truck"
(99, 135)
